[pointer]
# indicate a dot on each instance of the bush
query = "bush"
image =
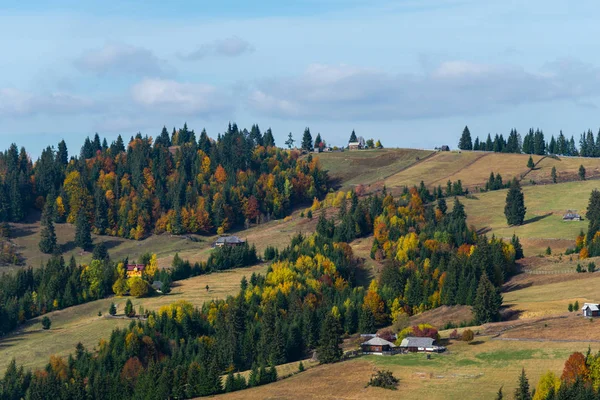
(300, 367)
(591, 267)
(548, 251)
(576, 306)
(46, 323)
(468, 335)
(137, 287)
(384, 379)
(570, 307)
(579, 269)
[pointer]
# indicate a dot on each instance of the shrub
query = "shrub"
(99, 313)
(591, 267)
(300, 367)
(579, 269)
(137, 287)
(384, 379)
(468, 335)
(46, 323)
(576, 306)
(570, 307)
(548, 251)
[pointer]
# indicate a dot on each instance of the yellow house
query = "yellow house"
(135, 270)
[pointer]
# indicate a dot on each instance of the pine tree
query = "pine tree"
(593, 215)
(488, 301)
(522, 391)
(290, 141)
(112, 310)
(318, 141)
(553, 175)
(581, 173)
(83, 237)
(353, 137)
(515, 209)
(517, 246)
(499, 395)
(307, 142)
(47, 243)
(530, 163)
(329, 350)
(100, 215)
(129, 310)
(268, 138)
(465, 142)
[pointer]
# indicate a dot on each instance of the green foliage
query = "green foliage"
(548, 251)
(530, 163)
(112, 310)
(576, 305)
(515, 209)
(83, 237)
(129, 310)
(300, 367)
(554, 175)
(307, 141)
(522, 391)
(46, 323)
(47, 242)
(137, 287)
(384, 379)
(570, 307)
(465, 142)
(488, 301)
(581, 173)
(329, 350)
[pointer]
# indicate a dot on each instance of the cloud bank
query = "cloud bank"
(229, 47)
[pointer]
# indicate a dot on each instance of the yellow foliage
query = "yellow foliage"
(152, 268)
(546, 382)
(335, 311)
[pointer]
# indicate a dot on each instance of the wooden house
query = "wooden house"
(419, 344)
(571, 216)
(590, 310)
(378, 346)
(229, 241)
(135, 270)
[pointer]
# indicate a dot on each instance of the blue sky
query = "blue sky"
(411, 73)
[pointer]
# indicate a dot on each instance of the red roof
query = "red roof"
(131, 267)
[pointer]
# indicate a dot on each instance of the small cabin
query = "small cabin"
(571, 216)
(135, 270)
(378, 346)
(412, 344)
(590, 310)
(229, 241)
(445, 148)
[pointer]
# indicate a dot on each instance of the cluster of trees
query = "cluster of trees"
(588, 244)
(495, 182)
(580, 379)
(532, 143)
(176, 183)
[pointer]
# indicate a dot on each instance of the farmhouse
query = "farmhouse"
(358, 145)
(419, 344)
(590, 310)
(378, 346)
(571, 216)
(135, 270)
(229, 241)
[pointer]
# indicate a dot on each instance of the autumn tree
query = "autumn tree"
(137, 287)
(575, 368)
(152, 268)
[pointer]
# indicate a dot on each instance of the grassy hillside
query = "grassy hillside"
(546, 205)
(474, 168)
(32, 346)
(369, 166)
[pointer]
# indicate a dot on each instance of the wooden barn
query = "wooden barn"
(378, 346)
(412, 344)
(229, 241)
(590, 310)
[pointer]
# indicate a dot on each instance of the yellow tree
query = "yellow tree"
(547, 381)
(152, 268)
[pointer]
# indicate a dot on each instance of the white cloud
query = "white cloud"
(15, 102)
(123, 59)
(453, 88)
(229, 47)
(180, 98)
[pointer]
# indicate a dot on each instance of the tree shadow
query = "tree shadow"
(517, 286)
(69, 246)
(21, 231)
(484, 230)
(476, 342)
(536, 218)
(111, 244)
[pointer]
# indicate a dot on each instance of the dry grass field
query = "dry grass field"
(369, 166)
(465, 371)
(32, 346)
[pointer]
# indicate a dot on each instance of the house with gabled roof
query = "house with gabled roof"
(378, 346)
(590, 310)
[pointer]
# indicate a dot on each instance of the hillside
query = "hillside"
(32, 346)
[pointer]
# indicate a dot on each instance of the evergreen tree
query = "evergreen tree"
(129, 310)
(112, 310)
(593, 215)
(515, 209)
(488, 301)
(442, 206)
(530, 163)
(581, 173)
(553, 175)
(499, 395)
(465, 142)
(353, 137)
(307, 142)
(522, 391)
(290, 141)
(476, 145)
(268, 138)
(318, 141)
(83, 237)
(47, 243)
(100, 215)
(517, 246)
(329, 350)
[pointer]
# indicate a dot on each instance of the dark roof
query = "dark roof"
(411, 341)
(131, 267)
(571, 215)
(157, 285)
(377, 341)
(229, 239)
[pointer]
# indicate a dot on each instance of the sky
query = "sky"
(411, 73)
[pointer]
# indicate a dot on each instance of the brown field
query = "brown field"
(32, 346)
(367, 167)
(465, 371)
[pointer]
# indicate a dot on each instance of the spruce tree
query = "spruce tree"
(101, 213)
(487, 301)
(318, 141)
(290, 141)
(83, 237)
(465, 142)
(268, 138)
(530, 163)
(553, 174)
(581, 173)
(593, 215)
(515, 209)
(112, 310)
(307, 142)
(499, 395)
(47, 243)
(353, 137)
(329, 350)
(522, 391)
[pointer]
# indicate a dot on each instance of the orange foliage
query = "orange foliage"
(220, 174)
(575, 367)
(584, 253)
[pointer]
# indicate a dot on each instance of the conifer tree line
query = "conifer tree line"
(176, 183)
(534, 142)
(308, 298)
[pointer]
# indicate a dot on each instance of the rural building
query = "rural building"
(419, 344)
(358, 145)
(229, 241)
(590, 310)
(445, 148)
(378, 346)
(135, 270)
(157, 285)
(571, 216)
